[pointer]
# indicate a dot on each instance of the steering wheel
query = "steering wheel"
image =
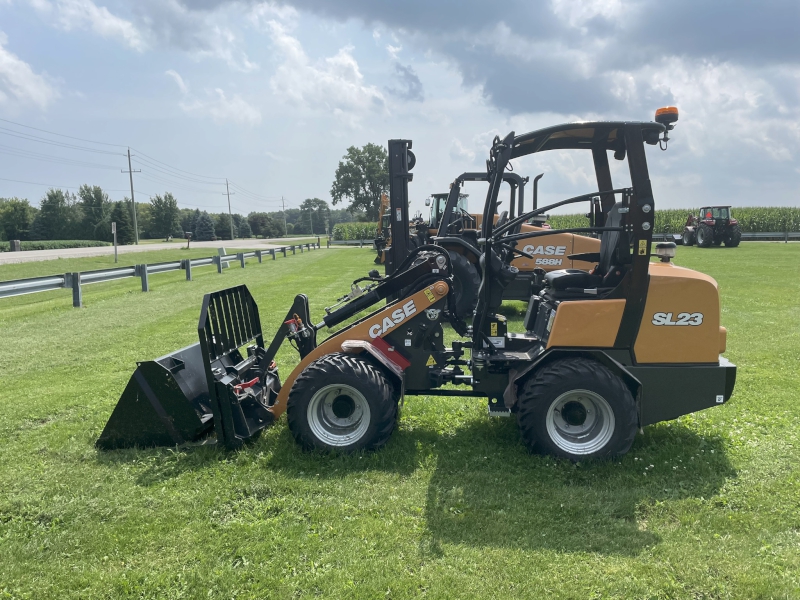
(502, 219)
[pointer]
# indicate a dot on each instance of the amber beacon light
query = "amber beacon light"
(667, 115)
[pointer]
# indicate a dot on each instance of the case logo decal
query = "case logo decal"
(546, 250)
(684, 318)
(398, 316)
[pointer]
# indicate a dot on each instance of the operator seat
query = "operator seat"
(570, 283)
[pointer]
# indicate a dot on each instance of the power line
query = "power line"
(51, 158)
(61, 134)
(53, 185)
(40, 140)
(151, 165)
(176, 168)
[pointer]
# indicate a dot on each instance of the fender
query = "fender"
(459, 245)
(358, 331)
(515, 377)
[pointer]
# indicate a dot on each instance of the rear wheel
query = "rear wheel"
(705, 236)
(733, 236)
(466, 282)
(688, 238)
(577, 409)
(341, 402)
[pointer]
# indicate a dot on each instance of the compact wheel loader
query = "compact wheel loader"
(602, 352)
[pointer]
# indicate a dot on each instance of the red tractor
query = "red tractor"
(712, 225)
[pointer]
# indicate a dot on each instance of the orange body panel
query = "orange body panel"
(361, 331)
(586, 323)
(671, 332)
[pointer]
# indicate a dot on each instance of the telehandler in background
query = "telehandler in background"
(600, 354)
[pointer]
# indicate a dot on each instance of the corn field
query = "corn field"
(752, 219)
(354, 231)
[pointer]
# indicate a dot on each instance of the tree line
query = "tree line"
(361, 177)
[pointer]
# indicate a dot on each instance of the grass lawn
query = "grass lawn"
(707, 506)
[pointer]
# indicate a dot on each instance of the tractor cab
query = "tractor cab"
(438, 203)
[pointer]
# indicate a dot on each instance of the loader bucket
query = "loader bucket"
(205, 388)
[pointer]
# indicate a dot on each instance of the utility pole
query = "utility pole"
(283, 204)
(230, 216)
(130, 172)
(312, 219)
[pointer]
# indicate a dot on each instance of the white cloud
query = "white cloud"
(178, 80)
(19, 83)
(84, 14)
(220, 107)
(458, 152)
(334, 84)
(393, 50)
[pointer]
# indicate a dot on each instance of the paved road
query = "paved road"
(33, 255)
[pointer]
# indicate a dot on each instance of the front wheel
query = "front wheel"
(688, 240)
(577, 409)
(733, 237)
(341, 402)
(705, 236)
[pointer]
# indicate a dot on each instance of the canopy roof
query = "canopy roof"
(600, 134)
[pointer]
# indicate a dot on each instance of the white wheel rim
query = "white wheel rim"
(338, 415)
(580, 422)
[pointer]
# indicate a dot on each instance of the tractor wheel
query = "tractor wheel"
(733, 236)
(466, 282)
(705, 236)
(577, 409)
(688, 238)
(341, 402)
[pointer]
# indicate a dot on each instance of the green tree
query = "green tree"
(289, 229)
(16, 218)
(95, 209)
(244, 229)
(58, 217)
(204, 228)
(361, 177)
(314, 216)
(165, 215)
(189, 219)
(258, 222)
(121, 215)
(222, 224)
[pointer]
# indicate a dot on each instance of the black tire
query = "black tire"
(705, 236)
(341, 402)
(688, 238)
(466, 282)
(733, 236)
(598, 401)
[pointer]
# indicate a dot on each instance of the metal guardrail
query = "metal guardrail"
(778, 236)
(75, 281)
(359, 243)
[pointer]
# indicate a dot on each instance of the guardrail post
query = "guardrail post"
(786, 239)
(272, 252)
(362, 244)
(294, 250)
(141, 271)
(329, 243)
(284, 251)
(301, 248)
(258, 255)
(77, 293)
(217, 261)
(240, 256)
(187, 264)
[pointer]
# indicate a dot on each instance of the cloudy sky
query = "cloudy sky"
(271, 94)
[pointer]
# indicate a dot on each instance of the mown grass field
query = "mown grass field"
(454, 507)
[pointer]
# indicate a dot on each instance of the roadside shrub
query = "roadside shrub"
(354, 231)
(54, 244)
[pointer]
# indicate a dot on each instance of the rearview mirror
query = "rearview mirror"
(427, 201)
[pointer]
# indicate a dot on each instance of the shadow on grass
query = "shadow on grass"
(486, 490)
